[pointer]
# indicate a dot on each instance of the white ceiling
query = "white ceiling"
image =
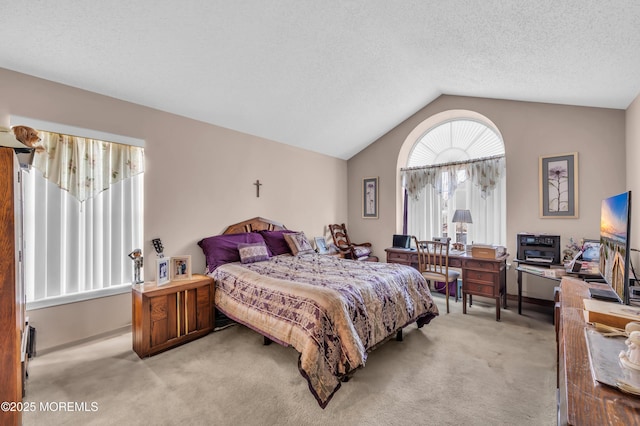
(328, 76)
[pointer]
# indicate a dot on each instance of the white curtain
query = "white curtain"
(435, 192)
(489, 214)
(77, 238)
(485, 174)
(424, 220)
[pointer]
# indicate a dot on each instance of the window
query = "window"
(83, 214)
(443, 176)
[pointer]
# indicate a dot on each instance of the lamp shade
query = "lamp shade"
(462, 216)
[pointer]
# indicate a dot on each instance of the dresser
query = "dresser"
(12, 303)
(480, 276)
(172, 314)
(582, 400)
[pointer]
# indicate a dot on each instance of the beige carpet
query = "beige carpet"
(460, 369)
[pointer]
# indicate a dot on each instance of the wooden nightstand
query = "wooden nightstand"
(172, 314)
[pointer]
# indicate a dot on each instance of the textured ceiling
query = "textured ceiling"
(328, 76)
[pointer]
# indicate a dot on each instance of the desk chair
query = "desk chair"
(433, 263)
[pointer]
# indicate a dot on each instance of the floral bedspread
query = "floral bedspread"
(330, 310)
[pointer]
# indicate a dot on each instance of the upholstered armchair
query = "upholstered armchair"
(349, 250)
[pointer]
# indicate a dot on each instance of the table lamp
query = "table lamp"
(459, 217)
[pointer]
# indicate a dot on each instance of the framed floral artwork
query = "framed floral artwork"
(559, 186)
(370, 198)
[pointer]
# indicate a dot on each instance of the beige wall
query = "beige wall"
(633, 174)
(199, 178)
(530, 130)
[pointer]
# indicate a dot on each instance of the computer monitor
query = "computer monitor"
(615, 232)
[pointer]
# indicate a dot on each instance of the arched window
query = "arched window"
(457, 164)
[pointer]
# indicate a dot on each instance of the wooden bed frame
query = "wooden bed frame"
(255, 224)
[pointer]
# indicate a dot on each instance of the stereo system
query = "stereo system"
(539, 248)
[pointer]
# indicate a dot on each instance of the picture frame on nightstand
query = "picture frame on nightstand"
(180, 268)
(321, 245)
(163, 267)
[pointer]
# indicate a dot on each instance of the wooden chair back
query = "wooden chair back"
(340, 236)
(433, 263)
(433, 258)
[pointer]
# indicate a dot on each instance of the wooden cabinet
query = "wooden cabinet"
(12, 314)
(172, 314)
(486, 278)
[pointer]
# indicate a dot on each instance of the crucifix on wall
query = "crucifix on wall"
(258, 185)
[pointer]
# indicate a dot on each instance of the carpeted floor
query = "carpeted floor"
(460, 369)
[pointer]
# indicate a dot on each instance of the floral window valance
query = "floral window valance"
(85, 167)
(484, 173)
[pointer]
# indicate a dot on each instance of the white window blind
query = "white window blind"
(73, 249)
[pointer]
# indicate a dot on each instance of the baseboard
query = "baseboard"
(106, 334)
(532, 300)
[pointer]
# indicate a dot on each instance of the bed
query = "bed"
(333, 311)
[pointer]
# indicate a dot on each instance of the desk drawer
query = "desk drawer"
(479, 277)
(478, 289)
(482, 266)
(394, 257)
(455, 263)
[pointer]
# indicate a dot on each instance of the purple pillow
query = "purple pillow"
(221, 249)
(275, 241)
(253, 252)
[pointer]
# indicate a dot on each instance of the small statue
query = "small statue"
(137, 258)
(631, 358)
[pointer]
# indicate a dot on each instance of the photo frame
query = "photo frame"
(591, 251)
(162, 271)
(559, 186)
(370, 198)
(180, 268)
(321, 245)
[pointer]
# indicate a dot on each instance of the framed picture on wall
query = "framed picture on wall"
(559, 186)
(162, 271)
(370, 198)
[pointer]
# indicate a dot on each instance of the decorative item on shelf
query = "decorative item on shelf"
(157, 245)
(460, 217)
(180, 268)
(24, 152)
(162, 271)
(136, 256)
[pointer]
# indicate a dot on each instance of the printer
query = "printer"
(539, 248)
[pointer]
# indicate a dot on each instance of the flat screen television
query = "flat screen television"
(615, 232)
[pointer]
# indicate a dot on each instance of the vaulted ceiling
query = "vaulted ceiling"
(328, 76)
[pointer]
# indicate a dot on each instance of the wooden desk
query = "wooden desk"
(481, 277)
(583, 401)
(520, 269)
